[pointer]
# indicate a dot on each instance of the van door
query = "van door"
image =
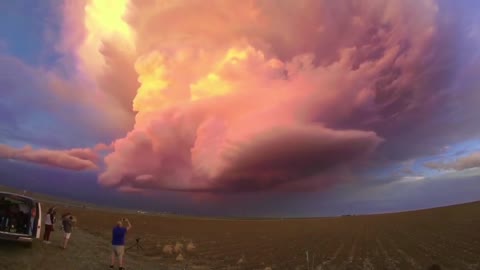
(37, 229)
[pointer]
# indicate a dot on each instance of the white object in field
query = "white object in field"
(168, 249)
(178, 247)
(242, 260)
(180, 257)
(191, 247)
(39, 221)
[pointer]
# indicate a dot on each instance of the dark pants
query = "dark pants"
(48, 230)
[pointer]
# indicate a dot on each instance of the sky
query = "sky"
(242, 108)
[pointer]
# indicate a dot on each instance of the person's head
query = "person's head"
(119, 223)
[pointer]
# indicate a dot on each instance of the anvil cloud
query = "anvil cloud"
(234, 96)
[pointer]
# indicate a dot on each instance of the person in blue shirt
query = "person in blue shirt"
(118, 242)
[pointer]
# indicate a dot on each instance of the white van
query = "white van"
(20, 218)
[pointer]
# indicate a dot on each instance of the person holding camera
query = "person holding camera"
(67, 223)
(118, 242)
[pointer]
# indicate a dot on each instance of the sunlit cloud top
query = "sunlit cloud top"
(247, 96)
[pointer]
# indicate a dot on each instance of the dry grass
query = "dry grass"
(448, 236)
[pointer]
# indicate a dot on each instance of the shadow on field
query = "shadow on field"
(12, 252)
(12, 247)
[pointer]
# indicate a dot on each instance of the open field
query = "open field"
(448, 236)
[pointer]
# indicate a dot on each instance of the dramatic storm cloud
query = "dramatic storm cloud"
(254, 95)
(245, 96)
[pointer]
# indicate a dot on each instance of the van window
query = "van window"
(16, 214)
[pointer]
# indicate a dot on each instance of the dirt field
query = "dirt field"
(448, 236)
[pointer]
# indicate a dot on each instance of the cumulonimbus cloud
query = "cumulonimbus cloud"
(248, 95)
(74, 159)
(236, 96)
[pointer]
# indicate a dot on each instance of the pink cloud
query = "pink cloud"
(248, 95)
(292, 154)
(103, 147)
(129, 189)
(268, 160)
(83, 153)
(74, 159)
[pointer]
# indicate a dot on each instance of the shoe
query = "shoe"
(111, 266)
(121, 268)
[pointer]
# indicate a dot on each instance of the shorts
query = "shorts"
(118, 250)
(67, 235)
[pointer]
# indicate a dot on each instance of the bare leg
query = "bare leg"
(113, 258)
(65, 242)
(120, 260)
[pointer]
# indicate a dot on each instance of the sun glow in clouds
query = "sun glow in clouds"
(250, 95)
(104, 19)
(213, 85)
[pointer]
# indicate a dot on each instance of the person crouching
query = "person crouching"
(118, 242)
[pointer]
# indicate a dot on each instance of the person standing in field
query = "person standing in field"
(49, 222)
(67, 224)
(118, 242)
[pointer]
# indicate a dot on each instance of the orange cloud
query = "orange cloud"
(248, 95)
(99, 57)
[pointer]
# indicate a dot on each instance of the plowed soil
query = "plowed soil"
(447, 236)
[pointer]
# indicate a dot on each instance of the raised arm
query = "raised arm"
(129, 225)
